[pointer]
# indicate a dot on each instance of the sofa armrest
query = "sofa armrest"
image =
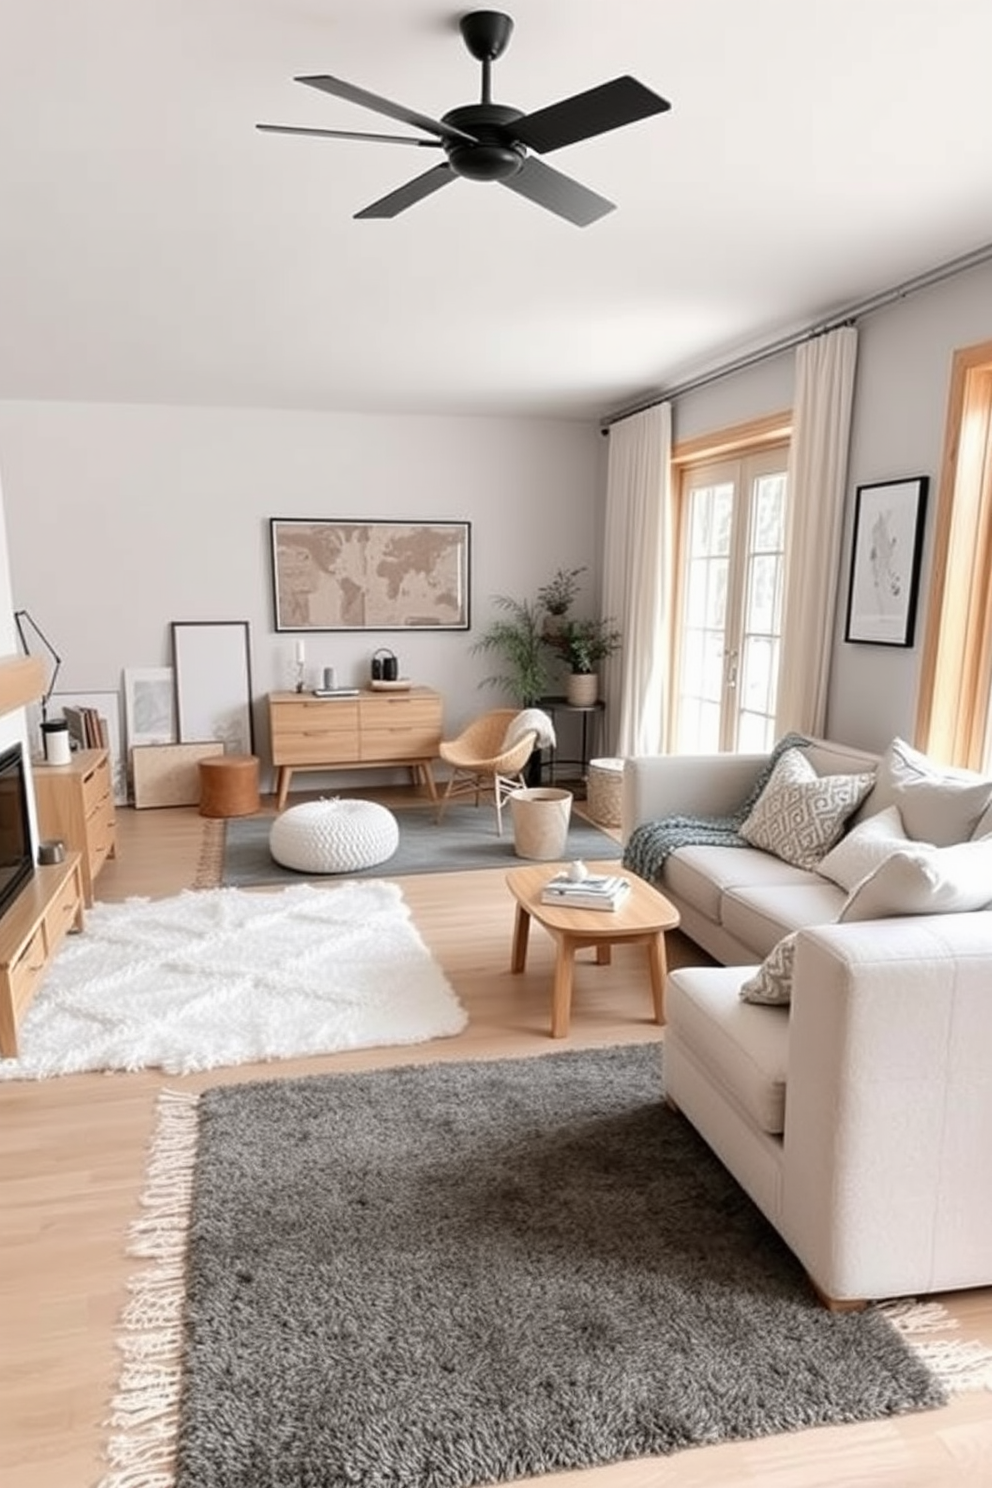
(657, 785)
(889, 1105)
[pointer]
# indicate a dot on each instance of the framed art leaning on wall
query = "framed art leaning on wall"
(212, 663)
(334, 575)
(885, 561)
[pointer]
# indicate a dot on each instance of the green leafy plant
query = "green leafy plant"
(558, 595)
(583, 644)
(517, 639)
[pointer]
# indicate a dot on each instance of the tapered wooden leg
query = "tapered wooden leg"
(282, 786)
(604, 953)
(521, 932)
(658, 967)
(561, 995)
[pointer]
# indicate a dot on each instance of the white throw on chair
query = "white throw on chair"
(490, 754)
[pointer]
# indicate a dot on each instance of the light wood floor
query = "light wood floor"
(72, 1155)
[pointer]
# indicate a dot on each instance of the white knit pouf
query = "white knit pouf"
(333, 836)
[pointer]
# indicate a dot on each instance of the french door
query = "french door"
(732, 555)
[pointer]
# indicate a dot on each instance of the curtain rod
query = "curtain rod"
(842, 317)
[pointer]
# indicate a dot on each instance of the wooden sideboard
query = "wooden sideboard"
(33, 927)
(75, 802)
(372, 730)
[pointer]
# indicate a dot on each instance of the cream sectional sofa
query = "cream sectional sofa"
(858, 1119)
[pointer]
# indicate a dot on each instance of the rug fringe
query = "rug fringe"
(145, 1408)
(960, 1364)
(210, 866)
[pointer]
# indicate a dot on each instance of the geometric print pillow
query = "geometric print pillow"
(799, 814)
(771, 984)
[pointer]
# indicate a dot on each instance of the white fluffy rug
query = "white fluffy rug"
(224, 976)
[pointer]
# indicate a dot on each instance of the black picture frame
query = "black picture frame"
(361, 575)
(886, 552)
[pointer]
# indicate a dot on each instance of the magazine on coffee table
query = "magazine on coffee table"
(595, 891)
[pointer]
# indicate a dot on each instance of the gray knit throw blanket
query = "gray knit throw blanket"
(651, 842)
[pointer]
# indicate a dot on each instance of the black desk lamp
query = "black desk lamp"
(22, 618)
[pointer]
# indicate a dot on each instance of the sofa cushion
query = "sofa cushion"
(861, 849)
(760, 916)
(800, 814)
(701, 875)
(925, 880)
(744, 1048)
(938, 804)
(771, 984)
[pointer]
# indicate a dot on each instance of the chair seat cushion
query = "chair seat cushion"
(339, 836)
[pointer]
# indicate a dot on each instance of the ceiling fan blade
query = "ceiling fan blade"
(340, 89)
(384, 139)
(559, 193)
(408, 195)
(611, 105)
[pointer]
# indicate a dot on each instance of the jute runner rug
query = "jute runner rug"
(453, 1274)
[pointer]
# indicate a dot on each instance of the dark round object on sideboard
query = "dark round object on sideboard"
(52, 851)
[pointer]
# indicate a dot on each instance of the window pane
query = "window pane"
(763, 595)
(768, 525)
(716, 593)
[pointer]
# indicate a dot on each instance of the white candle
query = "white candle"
(300, 653)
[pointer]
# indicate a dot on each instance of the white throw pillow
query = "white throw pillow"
(925, 880)
(863, 848)
(938, 804)
(771, 984)
(800, 814)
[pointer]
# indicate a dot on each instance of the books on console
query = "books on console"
(595, 891)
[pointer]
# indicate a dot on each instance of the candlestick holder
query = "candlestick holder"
(300, 669)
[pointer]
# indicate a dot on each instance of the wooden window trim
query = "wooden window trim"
(775, 428)
(956, 663)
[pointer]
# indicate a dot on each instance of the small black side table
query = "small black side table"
(591, 715)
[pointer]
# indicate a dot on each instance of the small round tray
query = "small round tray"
(402, 684)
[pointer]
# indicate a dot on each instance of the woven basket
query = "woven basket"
(604, 791)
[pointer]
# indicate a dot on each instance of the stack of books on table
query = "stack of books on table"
(596, 891)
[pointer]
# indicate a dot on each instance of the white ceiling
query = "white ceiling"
(155, 247)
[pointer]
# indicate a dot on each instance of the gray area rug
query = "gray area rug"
(456, 1274)
(465, 839)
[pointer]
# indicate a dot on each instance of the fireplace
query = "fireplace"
(16, 858)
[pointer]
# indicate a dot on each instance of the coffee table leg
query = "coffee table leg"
(521, 931)
(561, 995)
(658, 967)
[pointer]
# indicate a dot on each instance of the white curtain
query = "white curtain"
(636, 581)
(821, 426)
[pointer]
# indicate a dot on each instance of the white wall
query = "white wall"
(121, 519)
(13, 726)
(900, 404)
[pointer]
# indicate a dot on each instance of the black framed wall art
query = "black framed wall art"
(334, 575)
(885, 561)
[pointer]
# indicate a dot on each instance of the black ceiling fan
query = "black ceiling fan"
(489, 141)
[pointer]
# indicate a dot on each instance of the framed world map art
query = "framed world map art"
(334, 575)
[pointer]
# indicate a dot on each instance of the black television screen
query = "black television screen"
(16, 859)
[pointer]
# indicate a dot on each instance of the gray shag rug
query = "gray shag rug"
(466, 1273)
(465, 839)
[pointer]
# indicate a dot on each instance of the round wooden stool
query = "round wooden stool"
(229, 785)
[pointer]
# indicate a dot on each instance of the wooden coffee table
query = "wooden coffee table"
(642, 920)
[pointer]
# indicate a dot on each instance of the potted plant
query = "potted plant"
(517, 639)
(582, 645)
(558, 595)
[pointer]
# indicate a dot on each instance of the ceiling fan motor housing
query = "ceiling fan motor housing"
(496, 155)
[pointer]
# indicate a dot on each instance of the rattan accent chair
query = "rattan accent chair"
(481, 766)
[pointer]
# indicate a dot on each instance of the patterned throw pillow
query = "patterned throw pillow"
(771, 984)
(799, 814)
